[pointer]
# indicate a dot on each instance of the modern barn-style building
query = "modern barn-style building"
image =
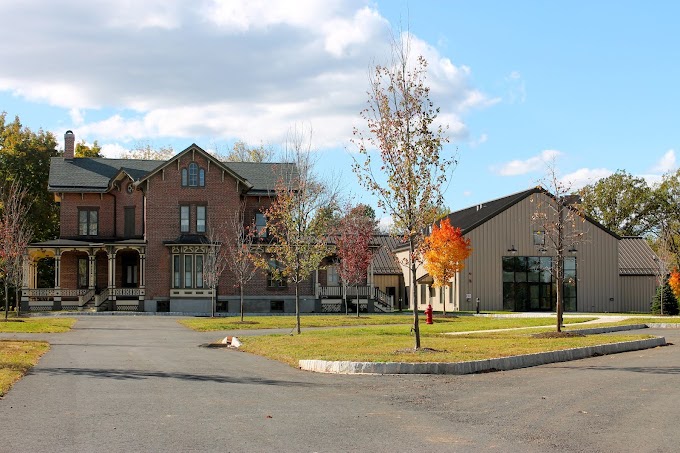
(509, 265)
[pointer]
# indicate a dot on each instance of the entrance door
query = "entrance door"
(130, 271)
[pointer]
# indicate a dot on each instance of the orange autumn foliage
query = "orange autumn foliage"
(674, 282)
(445, 251)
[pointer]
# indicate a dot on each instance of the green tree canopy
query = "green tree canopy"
(25, 156)
(82, 150)
(621, 202)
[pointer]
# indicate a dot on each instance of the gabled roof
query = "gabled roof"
(93, 174)
(96, 174)
(470, 218)
(384, 261)
(194, 148)
(636, 257)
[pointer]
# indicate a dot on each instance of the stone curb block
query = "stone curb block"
(477, 366)
(599, 330)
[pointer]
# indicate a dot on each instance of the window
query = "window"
(88, 222)
(274, 281)
(200, 219)
(184, 177)
(528, 284)
(332, 277)
(184, 219)
(188, 271)
(260, 225)
(201, 177)
(539, 237)
(199, 271)
(83, 270)
(193, 174)
(276, 306)
(129, 217)
(176, 272)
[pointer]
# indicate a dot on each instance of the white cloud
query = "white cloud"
(522, 167)
(478, 141)
(113, 150)
(467, 193)
(385, 223)
(584, 176)
(666, 163)
(221, 69)
(517, 92)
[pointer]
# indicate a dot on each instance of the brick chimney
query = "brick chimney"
(69, 145)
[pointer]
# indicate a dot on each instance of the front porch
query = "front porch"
(87, 276)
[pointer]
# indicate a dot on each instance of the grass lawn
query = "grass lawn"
(16, 358)
(394, 344)
(449, 324)
(36, 325)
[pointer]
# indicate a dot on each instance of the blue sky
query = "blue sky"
(594, 84)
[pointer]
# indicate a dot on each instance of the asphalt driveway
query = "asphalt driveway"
(144, 384)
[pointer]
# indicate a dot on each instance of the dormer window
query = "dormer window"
(193, 176)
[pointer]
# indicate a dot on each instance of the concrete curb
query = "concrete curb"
(599, 330)
(477, 366)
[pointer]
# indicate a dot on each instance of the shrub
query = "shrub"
(670, 303)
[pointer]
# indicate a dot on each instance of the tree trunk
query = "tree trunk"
(18, 301)
(412, 290)
(344, 298)
(241, 291)
(213, 300)
(356, 288)
(6, 300)
(559, 267)
(297, 307)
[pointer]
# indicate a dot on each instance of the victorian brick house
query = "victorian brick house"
(133, 233)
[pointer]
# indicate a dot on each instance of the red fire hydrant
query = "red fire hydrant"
(428, 314)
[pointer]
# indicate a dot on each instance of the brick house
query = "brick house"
(132, 234)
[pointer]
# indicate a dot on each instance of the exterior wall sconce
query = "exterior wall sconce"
(513, 250)
(573, 249)
(543, 250)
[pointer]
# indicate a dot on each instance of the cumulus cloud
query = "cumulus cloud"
(666, 163)
(584, 176)
(522, 167)
(223, 69)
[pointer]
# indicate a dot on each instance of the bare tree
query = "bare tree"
(145, 151)
(15, 237)
(561, 222)
(240, 246)
(299, 237)
(402, 126)
(241, 152)
(216, 261)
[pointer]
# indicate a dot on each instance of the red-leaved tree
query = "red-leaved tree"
(354, 234)
(445, 250)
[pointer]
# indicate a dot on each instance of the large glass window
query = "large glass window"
(187, 271)
(201, 177)
(184, 219)
(272, 280)
(199, 271)
(88, 222)
(185, 177)
(528, 284)
(176, 272)
(200, 219)
(332, 277)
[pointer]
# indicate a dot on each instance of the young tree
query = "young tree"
(353, 238)
(674, 282)
(562, 225)
(15, 237)
(402, 125)
(445, 250)
(299, 238)
(665, 302)
(216, 261)
(239, 243)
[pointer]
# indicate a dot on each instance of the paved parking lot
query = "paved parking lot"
(144, 384)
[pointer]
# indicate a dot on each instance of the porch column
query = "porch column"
(92, 263)
(26, 263)
(112, 273)
(57, 280)
(142, 279)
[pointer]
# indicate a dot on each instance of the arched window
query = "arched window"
(184, 177)
(201, 177)
(193, 174)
